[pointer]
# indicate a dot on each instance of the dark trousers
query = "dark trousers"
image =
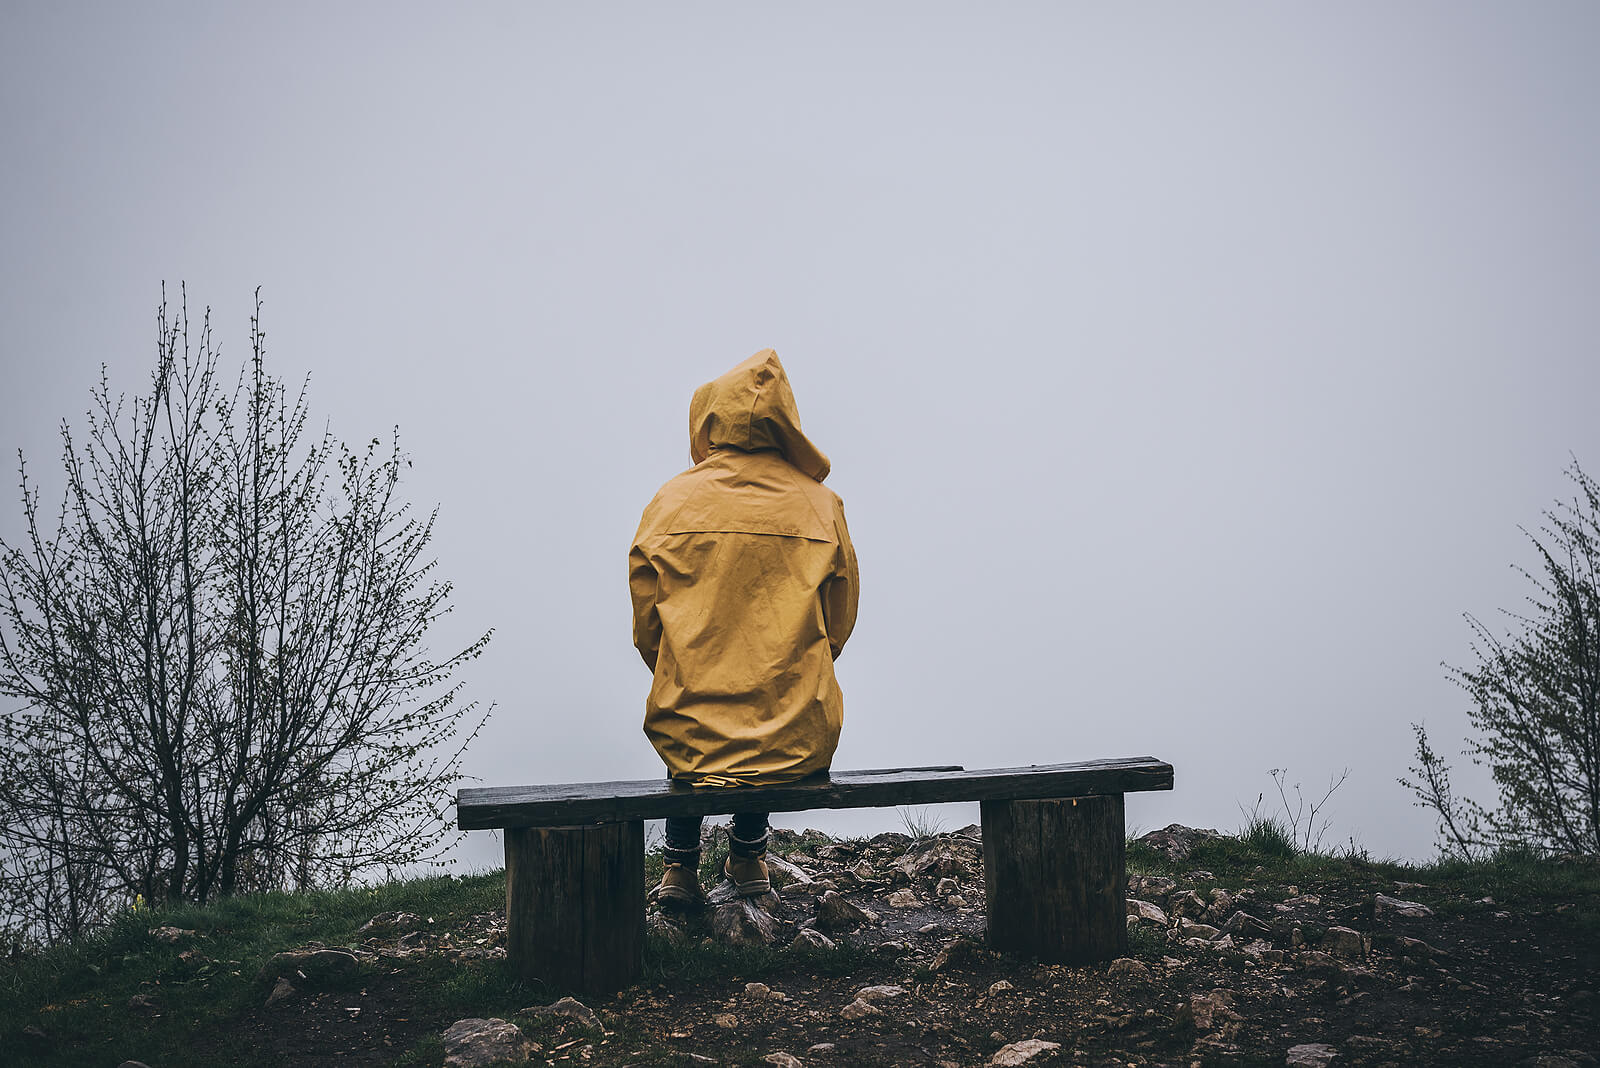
(683, 832)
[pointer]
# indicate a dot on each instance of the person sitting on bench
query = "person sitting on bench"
(744, 589)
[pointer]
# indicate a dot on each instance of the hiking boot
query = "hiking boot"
(745, 868)
(680, 883)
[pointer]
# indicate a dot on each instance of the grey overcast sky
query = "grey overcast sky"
(1187, 369)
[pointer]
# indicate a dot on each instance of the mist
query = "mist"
(1187, 371)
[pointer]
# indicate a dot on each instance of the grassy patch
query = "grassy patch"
(1266, 836)
(79, 995)
(920, 823)
(1146, 941)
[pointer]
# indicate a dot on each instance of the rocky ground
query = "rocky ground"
(1344, 967)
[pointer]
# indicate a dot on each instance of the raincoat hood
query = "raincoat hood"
(752, 408)
(743, 581)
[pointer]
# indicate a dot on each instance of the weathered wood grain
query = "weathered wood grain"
(1054, 878)
(574, 905)
(590, 804)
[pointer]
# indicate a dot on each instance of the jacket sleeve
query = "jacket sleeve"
(642, 583)
(840, 592)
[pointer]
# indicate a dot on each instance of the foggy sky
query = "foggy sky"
(1187, 370)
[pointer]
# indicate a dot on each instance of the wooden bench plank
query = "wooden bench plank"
(588, 804)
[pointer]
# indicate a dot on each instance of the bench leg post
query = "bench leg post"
(1055, 879)
(575, 905)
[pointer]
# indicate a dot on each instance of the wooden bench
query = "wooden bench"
(1053, 838)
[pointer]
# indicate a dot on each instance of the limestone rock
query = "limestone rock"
(669, 929)
(170, 935)
(726, 1020)
(810, 936)
(859, 1009)
(879, 993)
(763, 992)
(1176, 841)
(391, 923)
(280, 991)
(571, 1008)
(725, 893)
(474, 1043)
(1345, 942)
(1243, 925)
(1186, 903)
(133, 1064)
(782, 1059)
(903, 899)
(1310, 1055)
(1418, 949)
(741, 922)
(1222, 905)
(785, 873)
(1189, 929)
(1382, 905)
(864, 872)
(904, 868)
(955, 901)
(1320, 965)
(834, 913)
(315, 965)
(1262, 951)
(1151, 886)
(1016, 1053)
(940, 864)
(1135, 969)
(1146, 911)
(1200, 1010)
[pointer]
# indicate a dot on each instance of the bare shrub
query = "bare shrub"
(219, 656)
(1535, 693)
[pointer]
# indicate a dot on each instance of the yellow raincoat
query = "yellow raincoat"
(744, 591)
